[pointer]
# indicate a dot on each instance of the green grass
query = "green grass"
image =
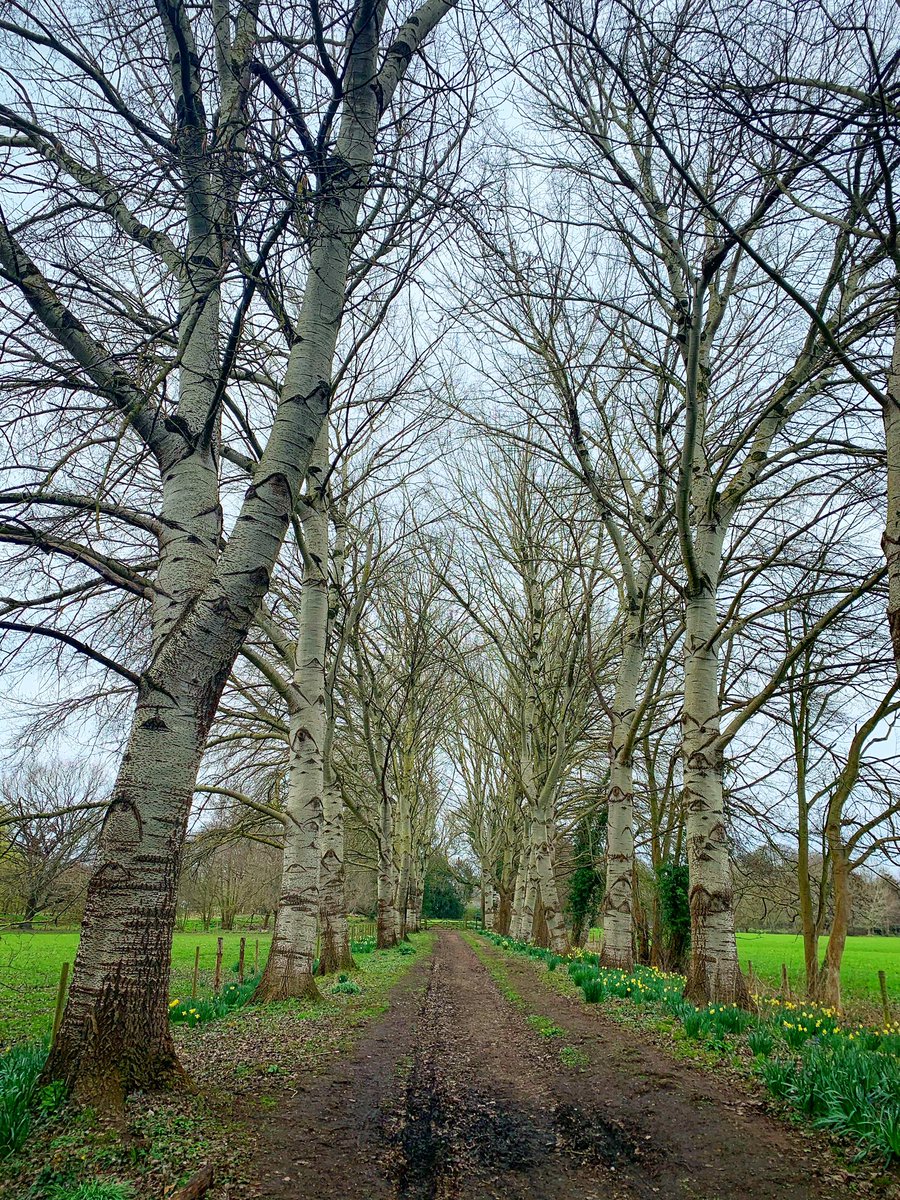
(863, 958)
(96, 1190)
(30, 964)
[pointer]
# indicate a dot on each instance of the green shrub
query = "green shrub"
(672, 885)
(843, 1087)
(884, 1132)
(406, 948)
(20, 1068)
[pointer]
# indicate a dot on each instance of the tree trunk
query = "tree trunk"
(543, 862)
(418, 897)
(115, 1035)
(412, 910)
(504, 912)
(289, 970)
(387, 922)
(830, 977)
(518, 904)
(335, 953)
(540, 934)
(891, 540)
(714, 975)
(490, 905)
(804, 887)
(617, 903)
(403, 879)
(641, 923)
(529, 900)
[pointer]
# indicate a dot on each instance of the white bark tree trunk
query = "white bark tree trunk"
(546, 879)
(529, 900)
(518, 907)
(387, 928)
(617, 910)
(714, 975)
(490, 904)
(290, 966)
(335, 954)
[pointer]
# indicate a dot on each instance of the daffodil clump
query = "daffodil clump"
(20, 1069)
(797, 1023)
(196, 1010)
(841, 1075)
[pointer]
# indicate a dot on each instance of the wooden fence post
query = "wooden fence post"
(785, 990)
(885, 1004)
(217, 982)
(60, 1000)
(241, 953)
(256, 958)
(196, 973)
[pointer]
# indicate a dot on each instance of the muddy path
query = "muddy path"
(454, 1093)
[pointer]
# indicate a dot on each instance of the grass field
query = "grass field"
(863, 958)
(30, 964)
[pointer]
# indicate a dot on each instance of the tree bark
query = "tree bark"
(387, 924)
(290, 966)
(504, 912)
(516, 922)
(115, 1034)
(617, 903)
(714, 975)
(830, 976)
(529, 900)
(546, 878)
(335, 953)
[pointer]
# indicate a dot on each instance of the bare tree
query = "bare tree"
(149, 321)
(49, 817)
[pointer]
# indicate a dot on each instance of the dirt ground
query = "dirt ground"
(454, 1094)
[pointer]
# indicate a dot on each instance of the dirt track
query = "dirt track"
(452, 1094)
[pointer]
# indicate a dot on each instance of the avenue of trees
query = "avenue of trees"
(456, 445)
